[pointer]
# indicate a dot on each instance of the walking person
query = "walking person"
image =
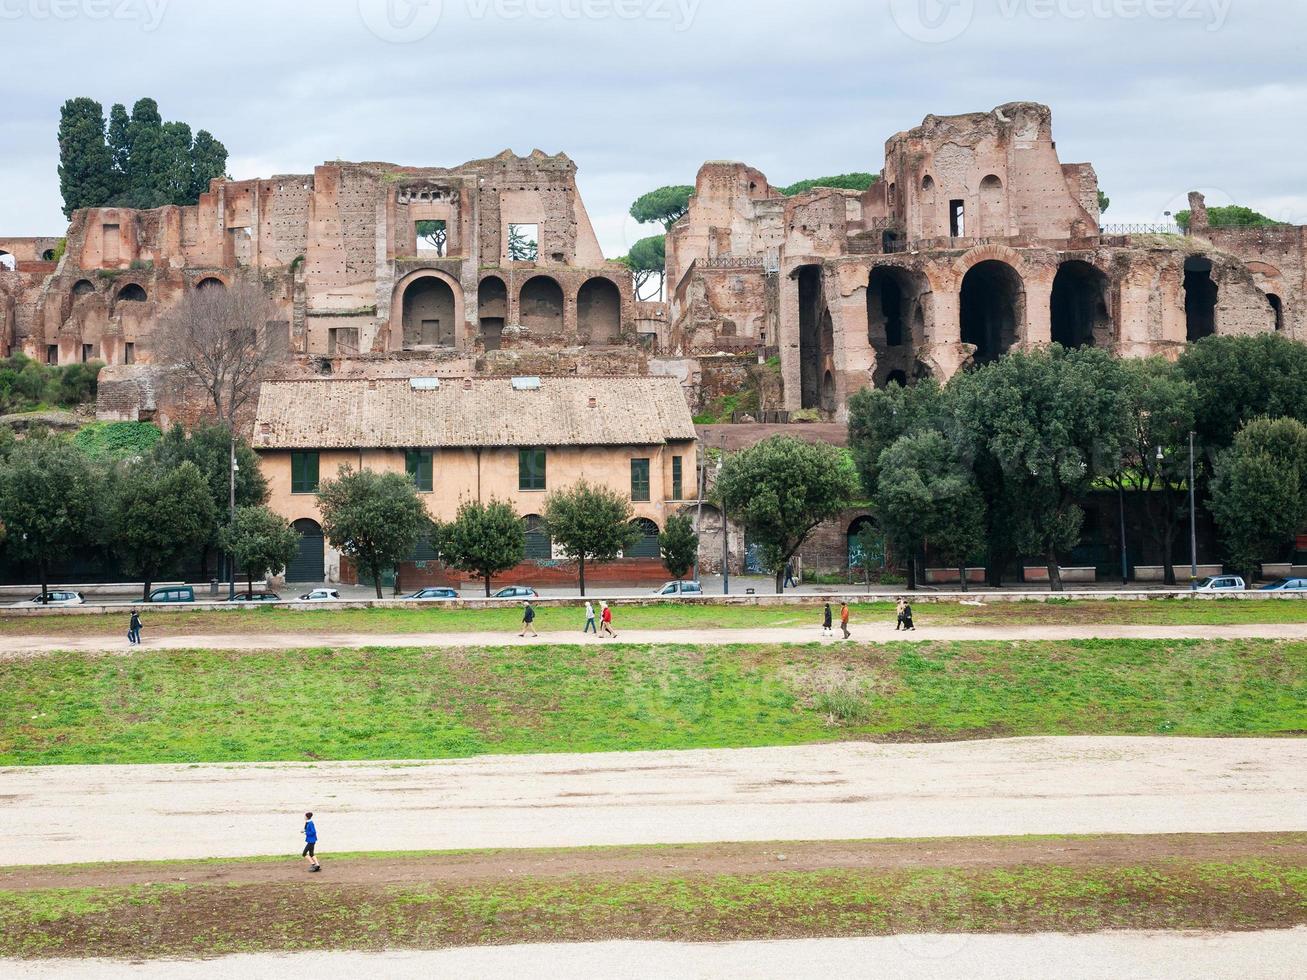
(310, 842)
(826, 622)
(898, 608)
(134, 629)
(844, 618)
(606, 620)
(590, 626)
(789, 576)
(528, 619)
(905, 616)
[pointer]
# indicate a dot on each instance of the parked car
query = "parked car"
(436, 593)
(1220, 583)
(680, 588)
(516, 592)
(255, 597)
(173, 593)
(1286, 585)
(320, 595)
(60, 597)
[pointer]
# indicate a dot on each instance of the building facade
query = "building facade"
(512, 440)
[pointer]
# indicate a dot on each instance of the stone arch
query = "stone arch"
(82, 287)
(647, 545)
(896, 321)
(426, 295)
(540, 306)
(852, 547)
(47, 255)
(993, 207)
(538, 545)
(7, 261)
(133, 292)
(1277, 308)
(599, 311)
(1200, 297)
(308, 565)
(1080, 306)
(492, 311)
(992, 309)
(210, 282)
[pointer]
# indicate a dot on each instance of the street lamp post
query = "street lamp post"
(726, 552)
(1125, 557)
(1193, 521)
(231, 517)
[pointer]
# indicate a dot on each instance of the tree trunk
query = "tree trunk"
(780, 581)
(962, 577)
(580, 570)
(912, 574)
(376, 580)
(145, 589)
(45, 582)
(204, 563)
(1054, 572)
(1168, 559)
(487, 585)
(249, 577)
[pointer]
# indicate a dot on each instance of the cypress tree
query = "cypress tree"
(85, 166)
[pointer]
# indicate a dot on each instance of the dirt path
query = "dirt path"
(1266, 955)
(848, 791)
(699, 859)
(20, 646)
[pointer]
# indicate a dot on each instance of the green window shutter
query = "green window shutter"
(639, 479)
(420, 467)
(303, 472)
(676, 477)
(531, 469)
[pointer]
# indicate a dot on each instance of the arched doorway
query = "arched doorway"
(811, 354)
(860, 555)
(541, 306)
(428, 310)
(132, 293)
(538, 545)
(82, 287)
(1200, 295)
(599, 311)
(492, 311)
(647, 545)
(308, 564)
(1277, 308)
(1079, 306)
(210, 282)
(895, 321)
(993, 309)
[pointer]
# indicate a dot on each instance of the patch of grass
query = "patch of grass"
(668, 616)
(213, 706)
(189, 920)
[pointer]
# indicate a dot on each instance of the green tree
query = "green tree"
(646, 260)
(484, 539)
(925, 495)
(1259, 492)
(666, 205)
(781, 488)
(879, 417)
(678, 544)
(209, 448)
(174, 162)
(120, 148)
(850, 182)
(1038, 429)
(373, 518)
(147, 180)
(208, 161)
(158, 518)
(521, 248)
(1230, 216)
(435, 233)
(49, 503)
(589, 524)
(85, 165)
(1104, 202)
(1154, 467)
(260, 541)
(1240, 378)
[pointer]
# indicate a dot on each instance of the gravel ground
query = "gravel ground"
(1102, 956)
(1078, 785)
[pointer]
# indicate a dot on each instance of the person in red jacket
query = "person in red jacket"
(606, 621)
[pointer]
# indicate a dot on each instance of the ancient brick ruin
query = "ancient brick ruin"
(975, 240)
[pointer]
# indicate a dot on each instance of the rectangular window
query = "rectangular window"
(303, 472)
(530, 469)
(676, 477)
(432, 236)
(51, 353)
(129, 353)
(957, 219)
(419, 466)
(88, 352)
(523, 243)
(639, 479)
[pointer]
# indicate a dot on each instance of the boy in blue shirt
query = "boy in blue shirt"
(310, 839)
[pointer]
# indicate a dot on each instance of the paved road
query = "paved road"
(819, 792)
(20, 646)
(1102, 956)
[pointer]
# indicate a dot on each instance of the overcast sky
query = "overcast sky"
(1162, 96)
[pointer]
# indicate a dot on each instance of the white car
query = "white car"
(60, 597)
(1220, 583)
(680, 588)
(320, 595)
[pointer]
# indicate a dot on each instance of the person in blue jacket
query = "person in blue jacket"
(310, 841)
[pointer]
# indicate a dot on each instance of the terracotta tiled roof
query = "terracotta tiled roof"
(396, 413)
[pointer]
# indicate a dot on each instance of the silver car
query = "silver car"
(60, 597)
(320, 595)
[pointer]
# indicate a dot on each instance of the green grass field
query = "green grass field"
(193, 706)
(671, 615)
(178, 919)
